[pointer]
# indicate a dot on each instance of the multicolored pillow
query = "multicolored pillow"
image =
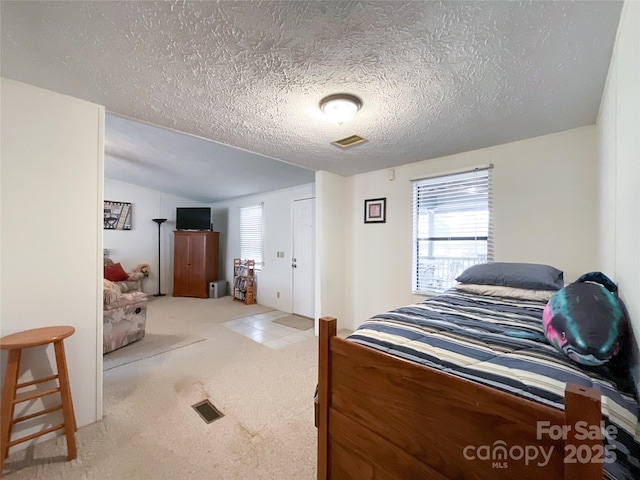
(585, 320)
(111, 292)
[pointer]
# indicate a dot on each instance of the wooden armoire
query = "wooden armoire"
(195, 262)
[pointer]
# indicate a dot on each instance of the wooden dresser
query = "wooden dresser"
(195, 262)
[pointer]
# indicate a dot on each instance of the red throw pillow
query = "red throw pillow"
(115, 273)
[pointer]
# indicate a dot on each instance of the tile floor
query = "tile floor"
(261, 329)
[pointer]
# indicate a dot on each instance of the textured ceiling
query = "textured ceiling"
(436, 78)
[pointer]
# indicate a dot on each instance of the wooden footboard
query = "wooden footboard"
(382, 417)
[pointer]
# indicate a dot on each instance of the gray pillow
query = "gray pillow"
(531, 276)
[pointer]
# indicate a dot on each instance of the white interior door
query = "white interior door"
(303, 258)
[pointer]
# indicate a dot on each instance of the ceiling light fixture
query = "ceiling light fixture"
(340, 107)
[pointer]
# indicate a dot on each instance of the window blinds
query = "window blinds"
(251, 241)
(451, 227)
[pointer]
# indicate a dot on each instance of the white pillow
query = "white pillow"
(506, 292)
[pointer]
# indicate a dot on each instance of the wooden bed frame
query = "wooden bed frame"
(382, 417)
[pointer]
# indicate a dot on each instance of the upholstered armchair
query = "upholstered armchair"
(124, 308)
(124, 317)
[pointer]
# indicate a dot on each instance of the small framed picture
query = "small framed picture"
(117, 215)
(375, 210)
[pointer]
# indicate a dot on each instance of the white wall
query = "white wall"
(618, 128)
(278, 235)
(332, 219)
(544, 211)
(140, 244)
(51, 239)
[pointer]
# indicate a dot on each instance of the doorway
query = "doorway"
(303, 257)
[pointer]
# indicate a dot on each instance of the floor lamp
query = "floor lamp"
(159, 221)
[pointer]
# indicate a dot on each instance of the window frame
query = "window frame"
(249, 252)
(419, 287)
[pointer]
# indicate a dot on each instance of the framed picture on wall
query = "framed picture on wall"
(375, 210)
(117, 215)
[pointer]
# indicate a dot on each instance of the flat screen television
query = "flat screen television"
(193, 218)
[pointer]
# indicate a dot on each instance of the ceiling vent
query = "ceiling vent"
(349, 141)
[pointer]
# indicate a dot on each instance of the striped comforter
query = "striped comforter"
(500, 342)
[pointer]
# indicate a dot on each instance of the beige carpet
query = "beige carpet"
(295, 321)
(152, 344)
(150, 431)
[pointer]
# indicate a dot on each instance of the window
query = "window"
(451, 228)
(251, 242)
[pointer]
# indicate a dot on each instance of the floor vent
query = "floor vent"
(349, 141)
(207, 411)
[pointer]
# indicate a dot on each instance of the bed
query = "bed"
(464, 386)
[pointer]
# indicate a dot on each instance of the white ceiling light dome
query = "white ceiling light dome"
(340, 107)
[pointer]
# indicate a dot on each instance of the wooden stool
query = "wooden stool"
(14, 344)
